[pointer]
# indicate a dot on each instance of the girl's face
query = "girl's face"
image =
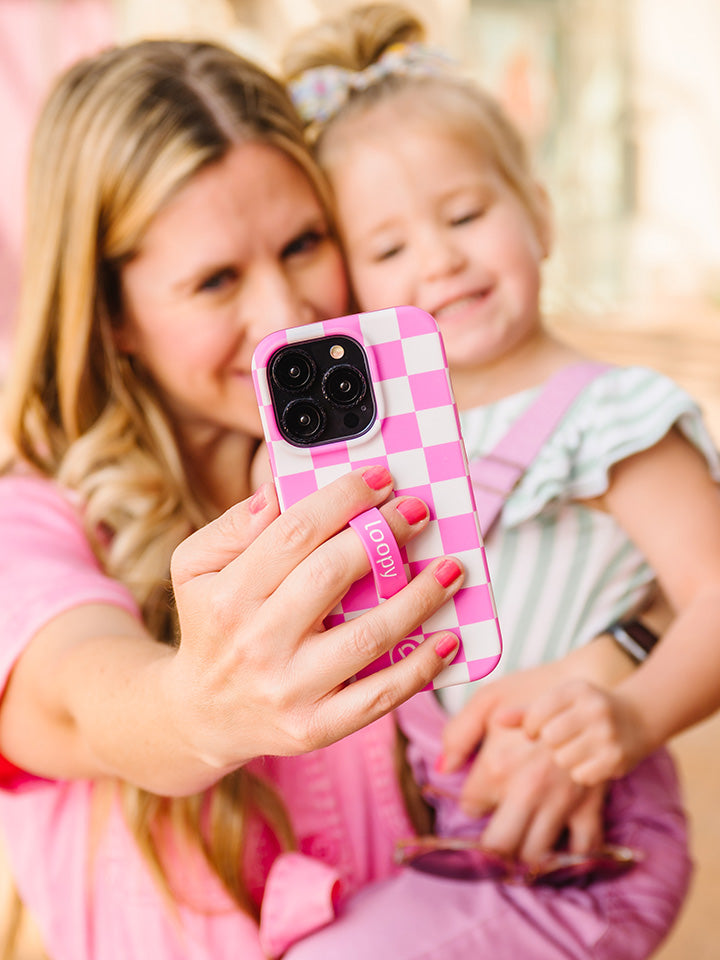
(428, 222)
(243, 249)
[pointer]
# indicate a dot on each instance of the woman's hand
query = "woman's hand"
(255, 672)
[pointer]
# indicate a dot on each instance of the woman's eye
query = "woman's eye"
(219, 280)
(306, 242)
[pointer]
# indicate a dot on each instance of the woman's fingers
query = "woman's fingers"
(215, 545)
(345, 649)
(464, 731)
(586, 827)
(365, 700)
(316, 585)
(534, 810)
(253, 643)
(282, 546)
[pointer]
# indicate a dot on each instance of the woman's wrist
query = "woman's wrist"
(634, 638)
(601, 662)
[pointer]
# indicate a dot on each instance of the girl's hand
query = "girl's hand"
(531, 801)
(601, 662)
(255, 672)
(594, 734)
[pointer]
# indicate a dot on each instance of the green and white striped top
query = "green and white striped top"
(563, 572)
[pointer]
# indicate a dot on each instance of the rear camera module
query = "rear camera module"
(321, 390)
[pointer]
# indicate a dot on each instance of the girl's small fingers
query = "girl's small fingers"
(560, 699)
(576, 750)
(563, 727)
(214, 546)
(510, 717)
(592, 772)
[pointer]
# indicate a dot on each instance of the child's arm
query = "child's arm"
(94, 695)
(669, 505)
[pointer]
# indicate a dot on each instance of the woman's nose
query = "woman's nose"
(270, 302)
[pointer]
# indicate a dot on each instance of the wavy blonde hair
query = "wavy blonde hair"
(119, 135)
(357, 40)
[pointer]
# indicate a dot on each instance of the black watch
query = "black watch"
(634, 637)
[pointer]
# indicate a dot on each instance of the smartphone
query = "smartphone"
(373, 388)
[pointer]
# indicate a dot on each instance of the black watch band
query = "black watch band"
(634, 637)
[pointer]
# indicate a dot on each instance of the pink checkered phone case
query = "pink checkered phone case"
(373, 388)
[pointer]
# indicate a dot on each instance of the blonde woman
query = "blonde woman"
(158, 620)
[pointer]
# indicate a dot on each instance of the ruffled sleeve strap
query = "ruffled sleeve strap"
(300, 897)
(623, 412)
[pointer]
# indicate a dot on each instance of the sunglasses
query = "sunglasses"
(463, 858)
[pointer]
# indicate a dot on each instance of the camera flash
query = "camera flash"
(337, 352)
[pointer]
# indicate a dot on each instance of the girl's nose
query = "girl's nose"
(439, 256)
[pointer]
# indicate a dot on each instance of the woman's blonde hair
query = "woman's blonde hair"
(119, 135)
(382, 48)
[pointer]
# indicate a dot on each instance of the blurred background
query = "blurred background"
(620, 101)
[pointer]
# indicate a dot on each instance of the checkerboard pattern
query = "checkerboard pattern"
(416, 436)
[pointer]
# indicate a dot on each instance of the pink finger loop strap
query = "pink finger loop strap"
(383, 552)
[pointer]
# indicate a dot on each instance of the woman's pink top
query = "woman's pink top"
(90, 890)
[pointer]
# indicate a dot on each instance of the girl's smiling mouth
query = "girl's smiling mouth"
(458, 306)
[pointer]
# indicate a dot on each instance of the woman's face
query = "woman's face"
(242, 250)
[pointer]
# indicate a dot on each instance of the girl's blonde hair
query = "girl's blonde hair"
(119, 135)
(380, 51)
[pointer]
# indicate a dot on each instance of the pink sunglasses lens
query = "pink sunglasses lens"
(460, 864)
(558, 869)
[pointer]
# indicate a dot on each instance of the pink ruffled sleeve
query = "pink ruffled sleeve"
(300, 897)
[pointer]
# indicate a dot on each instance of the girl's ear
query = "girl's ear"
(544, 221)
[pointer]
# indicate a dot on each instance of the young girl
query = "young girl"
(158, 780)
(438, 208)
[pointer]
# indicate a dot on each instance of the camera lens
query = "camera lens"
(292, 369)
(303, 420)
(344, 385)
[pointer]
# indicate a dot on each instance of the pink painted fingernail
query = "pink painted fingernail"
(413, 510)
(445, 646)
(377, 477)
(447, 571)
(258, 501)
